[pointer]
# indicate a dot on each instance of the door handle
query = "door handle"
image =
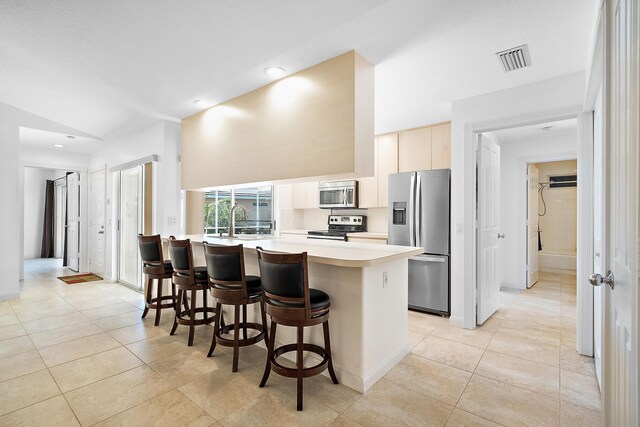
(597, 279)
(501, 236)
(101, 232)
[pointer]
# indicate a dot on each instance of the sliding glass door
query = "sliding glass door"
(130, 225)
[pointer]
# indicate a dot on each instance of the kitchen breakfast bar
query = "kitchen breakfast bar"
(367, 284)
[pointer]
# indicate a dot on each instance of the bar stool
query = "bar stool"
(156, 268)
(230, 286)
(289, 301)
(192, 279)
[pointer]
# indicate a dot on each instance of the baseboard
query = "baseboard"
(509, 285)
(458, 322)
(383, 368)
(7, 296)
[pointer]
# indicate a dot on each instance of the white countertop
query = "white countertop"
(343, 254)
(368, 235)
(305, 232)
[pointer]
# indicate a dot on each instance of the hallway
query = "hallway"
(80, 354)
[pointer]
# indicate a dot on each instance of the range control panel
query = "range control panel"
(347, 219)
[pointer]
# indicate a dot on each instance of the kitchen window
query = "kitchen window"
(255, 218)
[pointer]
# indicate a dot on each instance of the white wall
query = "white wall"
(35, 180)
(161, 139)
(538, 102)
(514, 156)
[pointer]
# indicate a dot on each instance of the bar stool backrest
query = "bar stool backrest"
(151, 254)
(181, 258)
(225, 268)
(285, 283)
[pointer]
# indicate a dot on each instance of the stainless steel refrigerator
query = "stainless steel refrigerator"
(419, 206)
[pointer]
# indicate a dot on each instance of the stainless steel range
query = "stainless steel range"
(339, 226)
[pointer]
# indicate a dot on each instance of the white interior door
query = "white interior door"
(532, 225)
(598, 228)
(60, 207)
(622, 114)
(96, 222)
(73, 221)
(488, 280)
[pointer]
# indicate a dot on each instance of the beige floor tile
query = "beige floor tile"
(8, 319)
(573, 415)
(138, 332)
(169, 409)
(11, 331)
(343, 421)
(103, 399)
(335, 396)
(80, 372)
(450, 353)
(424, 323)
(15, 346)
(26, 390)
(55, 322)
(415, 337)
(476, 337)
(491, 325)
(44, 311)
(183, 367)
(272, 410)
(97, 300)
(574, 362)
(460, 418)
(223, 392)
(580, 389)
(533, 376)
(72, 350)
(157, 348)
(108, 310)
(526, 348)
(508, 405)
(20, 364)
(119, 321)
(64, 334)
(387, 404)
(524, 329)
(51, 412)
(432, 379)
(5, 308)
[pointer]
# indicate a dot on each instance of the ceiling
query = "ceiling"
(537, 131)
(111, 68)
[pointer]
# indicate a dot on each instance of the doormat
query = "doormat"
(79, 278)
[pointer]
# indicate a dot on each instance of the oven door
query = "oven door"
(337, 195)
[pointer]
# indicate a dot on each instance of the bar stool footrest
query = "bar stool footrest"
(241, 342)
(293, 372)
(154, 302)
(182, 317)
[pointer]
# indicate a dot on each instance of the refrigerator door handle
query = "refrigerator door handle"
(412, 195)
(428, 259)
(418, 213)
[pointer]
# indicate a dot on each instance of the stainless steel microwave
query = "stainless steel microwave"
(338, 194)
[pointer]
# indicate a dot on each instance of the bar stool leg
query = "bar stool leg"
(173, 293)
(327, 348)
(158, 303)
(299, 364)
(244, 319)
(270, 345)
(192, 318)
(236, 337)
(264, 323)
(205, 305)
(216, 326)
(177, 310)
(147, 296)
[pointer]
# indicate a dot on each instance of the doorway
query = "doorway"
(130, 224)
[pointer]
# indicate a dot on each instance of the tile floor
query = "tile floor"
(79, 354)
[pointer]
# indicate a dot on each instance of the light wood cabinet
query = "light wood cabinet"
(414, 150)
(305, 195)
(387, 163)
(368, 187)
(375, 241)
(441, 146)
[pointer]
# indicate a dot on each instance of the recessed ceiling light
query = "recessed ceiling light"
(71, 137)
(546, 128)
(274, 71)
(58, 145)
(202, 103)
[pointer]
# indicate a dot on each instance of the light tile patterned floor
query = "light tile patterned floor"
(66, 360)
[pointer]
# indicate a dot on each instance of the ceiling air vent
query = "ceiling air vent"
(514, 58)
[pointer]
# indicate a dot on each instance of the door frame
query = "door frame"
(103, 170)
(471, 131)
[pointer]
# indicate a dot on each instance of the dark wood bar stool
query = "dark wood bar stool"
(230, 286)
(188, 278)
(289, 301)
(156, 268)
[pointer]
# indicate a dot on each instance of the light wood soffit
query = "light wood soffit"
(317, 122)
